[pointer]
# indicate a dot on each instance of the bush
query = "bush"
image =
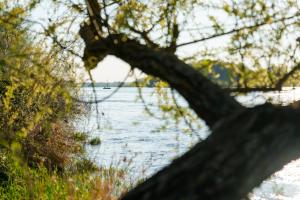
(35, 98)
(53, 147)
(95, 141)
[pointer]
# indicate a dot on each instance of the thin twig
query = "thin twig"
(236, 30)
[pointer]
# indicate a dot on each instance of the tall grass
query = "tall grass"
(39, 183)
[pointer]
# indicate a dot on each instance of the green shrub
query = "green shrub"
(95, 141)
(36, 92)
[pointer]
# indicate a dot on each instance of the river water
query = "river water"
(132, 139)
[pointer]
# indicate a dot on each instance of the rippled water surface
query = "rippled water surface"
(130, 137)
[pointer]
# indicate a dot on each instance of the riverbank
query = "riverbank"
(38, 183)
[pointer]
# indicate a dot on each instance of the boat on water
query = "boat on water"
(106, 87)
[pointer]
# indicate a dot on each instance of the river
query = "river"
(132, 139)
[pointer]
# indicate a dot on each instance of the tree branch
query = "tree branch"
(286, 76)
(236, 30)
(207, 99)
(278, 86)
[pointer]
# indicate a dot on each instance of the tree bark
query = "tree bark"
(243, 150)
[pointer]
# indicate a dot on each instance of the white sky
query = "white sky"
(111, 69)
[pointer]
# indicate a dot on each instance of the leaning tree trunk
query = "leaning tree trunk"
(245, 147)
(243, 150)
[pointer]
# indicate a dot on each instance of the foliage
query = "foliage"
(54, 146)
(95, 141)
(80, 136)
(35, 110)
(35, 97)
(39, 183)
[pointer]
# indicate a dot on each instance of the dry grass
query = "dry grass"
(52, 147)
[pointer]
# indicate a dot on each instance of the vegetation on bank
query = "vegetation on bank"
(41, 154)
(39, 183)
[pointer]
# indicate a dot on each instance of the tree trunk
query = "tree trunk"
(243, 150)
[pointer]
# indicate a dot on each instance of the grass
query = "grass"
(28, 183)
(71, 175)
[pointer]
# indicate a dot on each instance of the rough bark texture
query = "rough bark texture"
(243, 150)
(209, 101)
